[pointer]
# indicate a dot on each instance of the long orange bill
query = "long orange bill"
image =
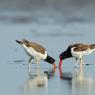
(54, 65)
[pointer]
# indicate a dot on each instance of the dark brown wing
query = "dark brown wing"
(35, 46)
(80, 47)
(92, 46)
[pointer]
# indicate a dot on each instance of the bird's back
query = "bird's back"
(80, 47)
(35, 46)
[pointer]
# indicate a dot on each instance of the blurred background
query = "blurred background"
(64, 10)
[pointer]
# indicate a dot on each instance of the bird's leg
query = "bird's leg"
(77, 62)
(37, 71)
(81, 64)
(76, 65)
(29, 64)
(37, 63)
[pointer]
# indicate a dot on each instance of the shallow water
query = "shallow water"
(55, 35)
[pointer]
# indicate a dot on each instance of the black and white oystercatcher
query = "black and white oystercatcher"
(78, 51)
(36, 51)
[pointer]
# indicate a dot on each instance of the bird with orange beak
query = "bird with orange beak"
(37, 52)
(77, 51)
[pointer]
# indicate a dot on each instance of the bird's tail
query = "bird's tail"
(19, 42)
(92, 46)
(23, 41)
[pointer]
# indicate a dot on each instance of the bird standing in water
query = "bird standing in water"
(37, 52)
(77, 51)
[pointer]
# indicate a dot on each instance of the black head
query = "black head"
(50, 60)
(64, 55)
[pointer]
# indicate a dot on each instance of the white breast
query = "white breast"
(30, 51)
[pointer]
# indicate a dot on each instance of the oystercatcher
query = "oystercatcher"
(77, 51)
(36, 51)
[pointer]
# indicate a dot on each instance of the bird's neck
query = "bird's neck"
(67, 54)
(49, 59)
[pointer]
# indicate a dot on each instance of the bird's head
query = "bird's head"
(50, 60)
(63, 56)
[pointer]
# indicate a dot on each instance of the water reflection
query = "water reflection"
(36, 84)
(50, 73)
(82, 85)
(78, 82)
(65, 75)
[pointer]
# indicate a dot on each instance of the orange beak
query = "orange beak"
(60, 63)
(54, 65)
